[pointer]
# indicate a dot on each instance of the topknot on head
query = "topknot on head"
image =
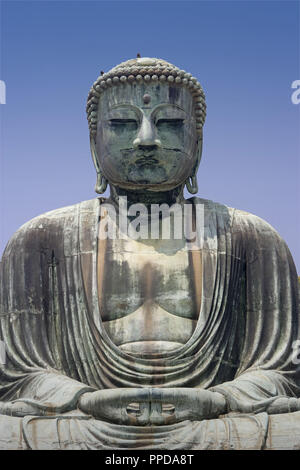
(148, 70)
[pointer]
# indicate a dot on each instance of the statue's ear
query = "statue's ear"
(199, 154)
(101, 183)
(191, 182)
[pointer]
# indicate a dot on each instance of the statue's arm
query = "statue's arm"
(32, 371)
(271, 312)
(43, 393)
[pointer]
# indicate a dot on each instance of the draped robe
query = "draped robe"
(57, 347)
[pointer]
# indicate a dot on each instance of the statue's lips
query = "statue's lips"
(145, 160)
(148, 157)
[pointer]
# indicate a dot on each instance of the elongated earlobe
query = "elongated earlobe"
(192, 184)
(101, 183)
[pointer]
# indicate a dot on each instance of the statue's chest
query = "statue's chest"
(134, 276)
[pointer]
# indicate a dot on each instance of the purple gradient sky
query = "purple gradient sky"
(245, 54)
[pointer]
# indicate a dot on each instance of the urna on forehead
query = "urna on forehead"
(132, 79)
(147, 96)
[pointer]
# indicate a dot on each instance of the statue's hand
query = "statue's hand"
(158, 406)
(113, 404)
(188, 404)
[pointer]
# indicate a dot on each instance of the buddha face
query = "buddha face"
(146, 136)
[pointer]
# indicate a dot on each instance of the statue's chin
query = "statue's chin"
(147, 177)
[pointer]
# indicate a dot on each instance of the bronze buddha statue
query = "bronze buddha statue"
(141, 341)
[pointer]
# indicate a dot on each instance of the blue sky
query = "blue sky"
(244, 53)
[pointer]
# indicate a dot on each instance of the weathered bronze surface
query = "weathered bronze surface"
(149, 343)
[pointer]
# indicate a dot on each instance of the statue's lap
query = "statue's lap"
(246, 432)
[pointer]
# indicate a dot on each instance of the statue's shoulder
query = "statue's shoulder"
(57, 217)
(49, 227)
(252, 223)
(239, 220)
(213, 206)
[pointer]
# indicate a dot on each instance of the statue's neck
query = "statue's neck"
(147, 197)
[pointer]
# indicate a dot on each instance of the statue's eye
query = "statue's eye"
(171, 123)
(119, 123)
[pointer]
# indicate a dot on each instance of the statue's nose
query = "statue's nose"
(146, 136)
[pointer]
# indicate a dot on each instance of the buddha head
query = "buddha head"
(145, 119)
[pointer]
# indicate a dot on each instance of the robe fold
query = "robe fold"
(57, 348)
